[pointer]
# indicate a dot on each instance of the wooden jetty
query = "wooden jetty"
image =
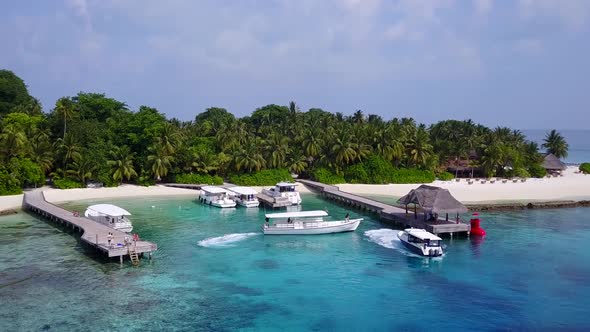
(185, 185)
(94, 234)
(386, 212)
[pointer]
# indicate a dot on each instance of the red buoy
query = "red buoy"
(475, 228)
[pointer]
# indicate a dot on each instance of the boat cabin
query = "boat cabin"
(216, 196)
(285, 187)
(110, 215)
(214, 191)
(299, 217)
(245, 196)
(244, 193)
(420, 236)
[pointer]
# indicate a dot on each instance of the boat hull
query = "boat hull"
(248, 204)
(419, 249)
(125, 229)
(328, 228)
(221, 203)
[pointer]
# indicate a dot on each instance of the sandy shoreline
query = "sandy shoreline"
(571, 186)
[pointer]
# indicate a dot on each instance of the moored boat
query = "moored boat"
(110, 215)
(245, 196)
(216, 196)
(306, 223)
(284, 191)
(421, 242)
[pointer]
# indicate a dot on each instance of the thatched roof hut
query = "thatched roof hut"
(552, 163)
(433, 200)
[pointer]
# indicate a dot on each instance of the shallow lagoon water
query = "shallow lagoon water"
(214, 270)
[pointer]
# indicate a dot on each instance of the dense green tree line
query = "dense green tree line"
(91, 137)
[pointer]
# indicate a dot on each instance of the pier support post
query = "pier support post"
(97, 239)
(121, 259)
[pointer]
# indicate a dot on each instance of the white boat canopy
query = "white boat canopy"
(302, 214)
(213, 190)
(286, 184)
(109, 210)
(422, 234)
(243, 190)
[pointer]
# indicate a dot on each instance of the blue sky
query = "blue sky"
(523, 63)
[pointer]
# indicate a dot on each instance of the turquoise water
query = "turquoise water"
(215, 271)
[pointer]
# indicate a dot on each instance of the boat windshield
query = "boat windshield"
(285, 189)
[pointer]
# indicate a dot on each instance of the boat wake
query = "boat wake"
(225, 241)
(387, 238)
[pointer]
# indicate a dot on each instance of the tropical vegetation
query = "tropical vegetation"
(92, 137)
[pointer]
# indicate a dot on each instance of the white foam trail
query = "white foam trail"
(387, 238)
(227, 240)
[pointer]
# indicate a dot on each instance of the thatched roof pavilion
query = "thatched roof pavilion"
(433, 200)
(552, 164)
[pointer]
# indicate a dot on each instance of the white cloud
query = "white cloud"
(482, 7)
(80, 7)
(572, 13)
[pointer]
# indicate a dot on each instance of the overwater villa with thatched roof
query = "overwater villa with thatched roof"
(434, 201)
(552, 164)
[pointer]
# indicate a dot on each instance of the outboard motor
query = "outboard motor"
(475, 228)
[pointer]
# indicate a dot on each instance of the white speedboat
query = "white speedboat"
(245, 196)
(421, 242)
(216, 196)
(306, 222)
(284, 190)
(110, 215)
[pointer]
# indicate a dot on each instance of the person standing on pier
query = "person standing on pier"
(110, 239)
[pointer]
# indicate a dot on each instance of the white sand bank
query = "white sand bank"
(58, 195)
(571, 186)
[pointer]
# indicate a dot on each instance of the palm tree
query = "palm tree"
(41, 151)
(13, 140)
(64, 107)
(82, 168)
(69, 149)
(249, 157)
(312, 142)
(169, 138)
(419, 147)
(556, 144)
(344, 150)
(121, 163)
(296, 162)
(204, 161)
(159, 160)
(276, 148)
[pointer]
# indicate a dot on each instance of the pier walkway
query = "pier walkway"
(94, 234)
(385, 211)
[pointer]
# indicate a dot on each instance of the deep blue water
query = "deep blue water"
(578, 141)
(214, 271)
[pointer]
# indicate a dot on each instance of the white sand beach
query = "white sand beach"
(60, 196)
(571, 186)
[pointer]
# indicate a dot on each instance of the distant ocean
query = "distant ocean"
(578, 140)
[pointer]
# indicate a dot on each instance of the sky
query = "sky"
(522, 63)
